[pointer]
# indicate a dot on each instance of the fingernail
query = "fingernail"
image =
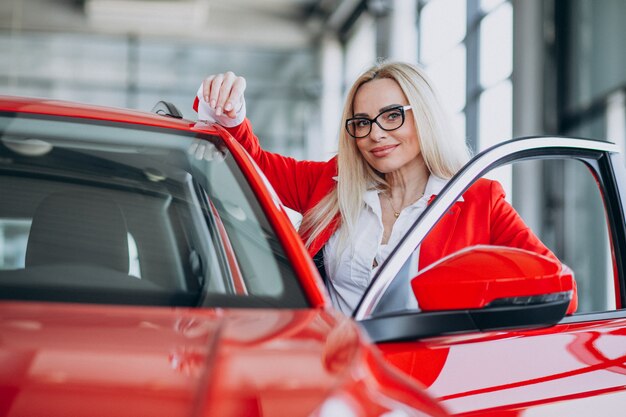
(213, 103)
(218, 111)
(206, 98)
(228, 106)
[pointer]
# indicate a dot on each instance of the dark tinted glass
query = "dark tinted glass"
(119, 214)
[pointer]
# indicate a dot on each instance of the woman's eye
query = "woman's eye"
(392, 115)
(362, 123)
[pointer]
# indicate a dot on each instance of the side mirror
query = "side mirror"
(507, 287)
(481, 288)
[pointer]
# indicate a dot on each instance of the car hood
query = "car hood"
(77, 360)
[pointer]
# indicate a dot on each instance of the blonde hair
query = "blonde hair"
(444, 153)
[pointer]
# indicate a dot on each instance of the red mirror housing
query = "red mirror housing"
(483, 276)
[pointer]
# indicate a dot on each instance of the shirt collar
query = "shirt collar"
(434, 186)
(371, 199)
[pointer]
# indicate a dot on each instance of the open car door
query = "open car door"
(499, 329)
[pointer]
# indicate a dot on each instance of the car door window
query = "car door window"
(567, 211)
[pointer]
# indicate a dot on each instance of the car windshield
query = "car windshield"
(110, 213)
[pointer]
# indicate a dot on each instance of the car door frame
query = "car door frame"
(603, 158)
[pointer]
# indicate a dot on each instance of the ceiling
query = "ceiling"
(270, 42)
(275, 23)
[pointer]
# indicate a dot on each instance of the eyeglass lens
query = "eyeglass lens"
(391, 119)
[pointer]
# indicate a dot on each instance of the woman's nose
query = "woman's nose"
(377, 133)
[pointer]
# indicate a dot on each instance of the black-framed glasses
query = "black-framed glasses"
(390, 119)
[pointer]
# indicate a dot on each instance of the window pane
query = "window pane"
(137, 72)
(496, 46)
(442, 26)
(596, 57)
(448, 75)
(496, 115)
(86, 210)
(586, 239)
(13, 239)
(572, 222)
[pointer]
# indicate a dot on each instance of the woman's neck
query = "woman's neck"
(408, 184)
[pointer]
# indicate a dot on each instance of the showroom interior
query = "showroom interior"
(503, 69)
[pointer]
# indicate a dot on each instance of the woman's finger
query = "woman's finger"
(214, 90)
(206, 87)
(225, 94)
(236, 97)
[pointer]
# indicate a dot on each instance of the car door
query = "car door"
(536, 361)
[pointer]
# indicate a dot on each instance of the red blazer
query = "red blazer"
(483, 217)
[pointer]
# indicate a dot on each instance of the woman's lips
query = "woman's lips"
(382, 151)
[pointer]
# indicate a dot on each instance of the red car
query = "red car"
(147, 268)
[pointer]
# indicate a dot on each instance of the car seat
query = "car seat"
(78, 228)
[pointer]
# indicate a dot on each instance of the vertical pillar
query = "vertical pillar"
(17, 15)
(528, 54)
(402, 39)
(322, 143)
(616, 118)
(396, 27)
(472, 65)
(528, 64)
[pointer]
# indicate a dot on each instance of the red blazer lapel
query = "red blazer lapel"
(438, 239)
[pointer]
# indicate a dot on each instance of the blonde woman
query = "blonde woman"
(395, 154)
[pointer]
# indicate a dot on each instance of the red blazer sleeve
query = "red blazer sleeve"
(508, 228)
(483, 217)
(294, 181)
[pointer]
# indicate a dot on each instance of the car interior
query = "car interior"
(78, 240)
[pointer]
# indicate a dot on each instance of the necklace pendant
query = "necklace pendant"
(396, 214)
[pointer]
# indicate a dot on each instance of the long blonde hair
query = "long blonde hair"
(444, 153)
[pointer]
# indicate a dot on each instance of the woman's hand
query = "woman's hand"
(224, 93)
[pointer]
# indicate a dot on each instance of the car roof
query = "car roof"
(88, 111)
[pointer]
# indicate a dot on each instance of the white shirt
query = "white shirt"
(350, 272)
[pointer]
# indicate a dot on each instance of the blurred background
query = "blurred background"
(503, 68)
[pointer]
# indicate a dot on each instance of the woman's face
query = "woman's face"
(386, 151)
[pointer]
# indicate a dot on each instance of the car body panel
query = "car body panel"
(159, 362)
(520, 371)
(92, 112)
(63, 359)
